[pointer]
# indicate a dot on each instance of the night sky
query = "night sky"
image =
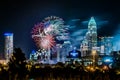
(19, 17)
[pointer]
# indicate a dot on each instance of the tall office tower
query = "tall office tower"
(102, 45)
(91, 35)
(65, 49)
(8, 45)
(108, 45)
(84, 48)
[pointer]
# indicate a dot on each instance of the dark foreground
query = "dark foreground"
(59, 72)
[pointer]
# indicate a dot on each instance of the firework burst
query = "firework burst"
(53, 25)
(50, 29)
(47, 42)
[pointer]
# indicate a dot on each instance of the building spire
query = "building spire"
(92, 22)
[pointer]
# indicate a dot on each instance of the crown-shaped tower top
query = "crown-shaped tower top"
(91, 23)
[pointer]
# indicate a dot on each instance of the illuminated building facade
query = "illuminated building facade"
(106, 45)
(8, 45)
(84, 47)
(90, 40)
(91, 35)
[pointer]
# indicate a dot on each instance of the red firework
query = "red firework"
(37, 33)
(47, 42)
(43, 32)
(38, 28)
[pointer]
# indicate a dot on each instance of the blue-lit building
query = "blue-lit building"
(90, 42)
(91, 35)
(90, 39)
(103, 48)
(74, 54)
(8, 45)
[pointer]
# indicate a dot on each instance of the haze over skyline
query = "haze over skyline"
(19, 17)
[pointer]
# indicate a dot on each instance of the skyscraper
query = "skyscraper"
(8, 45)
(91, 35)
(84, 47)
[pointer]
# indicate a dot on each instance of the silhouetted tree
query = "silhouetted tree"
(17, 63)
(116, 63)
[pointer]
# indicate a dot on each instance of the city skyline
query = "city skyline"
(20, 17)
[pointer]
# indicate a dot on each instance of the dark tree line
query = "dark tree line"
(17, 64)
